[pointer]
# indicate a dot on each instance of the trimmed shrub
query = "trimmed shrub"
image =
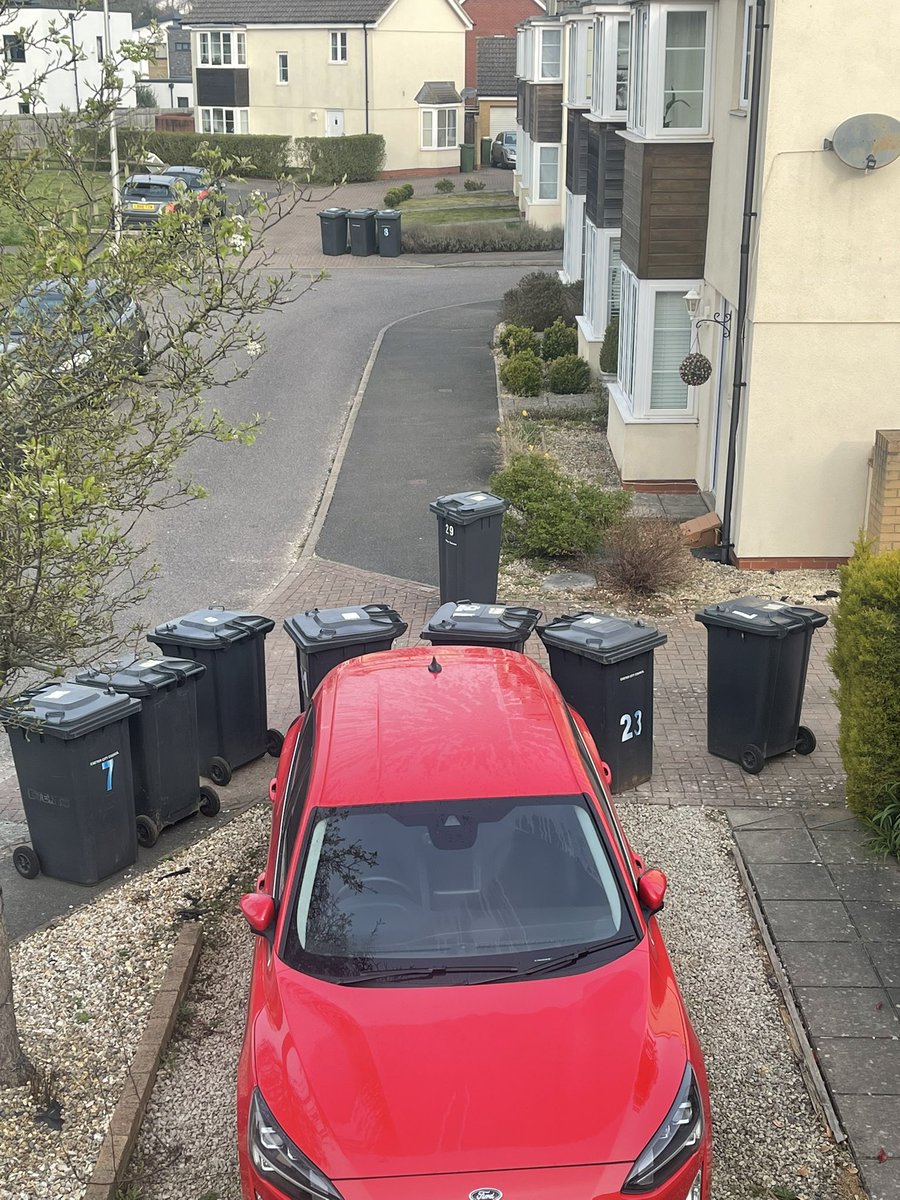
(540, 298)
(268, 154)
(553, 515)
(444, 185)
(516, 338)
(866, 661)
(569, 375)
(643, 555)
(474, 237)
(609, 351)
(474, 185)
(393, 198)
(522, 374)
(408, 190)
(558, 340)
(358, 158)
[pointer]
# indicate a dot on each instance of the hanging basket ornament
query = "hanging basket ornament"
(695, 370)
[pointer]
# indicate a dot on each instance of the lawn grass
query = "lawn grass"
(468, 207)
(56, 193)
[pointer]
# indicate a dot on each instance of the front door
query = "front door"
(334, 122)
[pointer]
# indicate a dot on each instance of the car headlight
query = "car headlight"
(278, 1160)
(674, 1142)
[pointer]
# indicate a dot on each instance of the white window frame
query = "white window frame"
(540, 76)
(597, 259)
(745, 71)
(637, 313)
(539, 148)
(520, 53)
(206, 119)
(100, 49)
(573, 237)
(523, 158)
(337, 47)
(282, 69)
(435, 110)
(646, 93)
(606, 67)
(232, 53)
(578, 75)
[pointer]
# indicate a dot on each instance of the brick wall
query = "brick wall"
(883, 518)
(491, 17)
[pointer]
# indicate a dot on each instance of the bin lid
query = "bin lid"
(462, 619)
(361, 212)
(766, 618)
(320, 628)
(141, 676)
(600, 636)
(210, 628)
(67, 710)
(465, 507)
(388, 214)
(333, 212)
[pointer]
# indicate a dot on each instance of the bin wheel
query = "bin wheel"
(752, 760)
(219, 771)
(147, 831)
(210, 804)
(806, 740)
(274, 742)
(26, 862)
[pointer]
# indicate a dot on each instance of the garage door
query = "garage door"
(502, 119)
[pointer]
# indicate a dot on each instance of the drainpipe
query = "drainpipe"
(738, 383)
(366, 68)
(74, 60)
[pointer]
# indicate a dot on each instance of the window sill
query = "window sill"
(587, 329)
(737, 112)
(628, 416)
(543, 200)
(599, 119)
(439, 149)
(669, 136)
(337, 62)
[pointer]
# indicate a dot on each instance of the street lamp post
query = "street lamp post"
(113, 140)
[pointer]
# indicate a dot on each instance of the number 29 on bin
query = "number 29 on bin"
(632, 725)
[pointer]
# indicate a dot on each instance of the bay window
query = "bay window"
(223, 120)
(602, 280)
(612, 58)
(578, 76)
(222, 49)
(671, 58)
(547, 173)
(439, 128)
(550, 64)
(655, 332)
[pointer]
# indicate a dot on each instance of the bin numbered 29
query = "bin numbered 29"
(106, 766)
(632, 725)
(449, 529)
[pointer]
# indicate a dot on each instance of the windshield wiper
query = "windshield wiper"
(401, 973)
(573, 956)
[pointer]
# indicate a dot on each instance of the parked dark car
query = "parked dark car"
(146, 197)
(200, 184)
(503, 149)
(83, 316)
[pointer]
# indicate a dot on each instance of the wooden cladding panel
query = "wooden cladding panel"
(576, 152)
(543, 111)
(665, 209)
(605, 182)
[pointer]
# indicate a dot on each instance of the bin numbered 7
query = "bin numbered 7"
(632, 725)
(106, 766)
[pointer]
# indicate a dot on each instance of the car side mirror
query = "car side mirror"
(259, 912)
(273, 789)
(652, 890)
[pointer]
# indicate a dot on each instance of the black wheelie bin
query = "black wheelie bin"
(469, 528)
(72, 752)
(325, 637)
(506, 626)
(231, 696)
(756, 660)
(165, 748)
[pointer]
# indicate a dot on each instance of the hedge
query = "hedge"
(866, 661)
(473, 237)
(359, 157)
(268, 153)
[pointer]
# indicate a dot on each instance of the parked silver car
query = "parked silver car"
(503, 149)
(200, 184)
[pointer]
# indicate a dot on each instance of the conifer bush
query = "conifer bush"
(560, 339)
(522, 374)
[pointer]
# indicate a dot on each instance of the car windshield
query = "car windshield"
(45, 306)
(477, 883)
(148, 191)
(509, 139)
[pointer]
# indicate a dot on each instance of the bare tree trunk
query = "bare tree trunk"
(14, 1067)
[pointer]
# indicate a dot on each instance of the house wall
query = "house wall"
(826, 332)
(58, 89)
(491, 17)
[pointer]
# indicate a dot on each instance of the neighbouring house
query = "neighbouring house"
(43, 74)
(490, 90)
(169, 73)
(325, 68)
(794, 300)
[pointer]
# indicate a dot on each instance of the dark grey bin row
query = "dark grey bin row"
(363, 231)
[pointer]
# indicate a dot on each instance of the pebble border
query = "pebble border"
(121, 1137)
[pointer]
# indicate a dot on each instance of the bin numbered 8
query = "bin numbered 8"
(632, 725)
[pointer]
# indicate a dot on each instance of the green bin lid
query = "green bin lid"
(67, 710)
(210, 629)
(322, 628)
(461, 620)
(765, 618)
(601, 637)
(466, 507)
(142, 677)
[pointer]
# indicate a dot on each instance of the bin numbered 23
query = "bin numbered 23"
(632, 725)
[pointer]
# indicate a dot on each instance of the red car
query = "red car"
(459, 988)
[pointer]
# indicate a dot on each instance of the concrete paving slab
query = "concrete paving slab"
(809, 921)
(797, 881)
(869, 882)
(873, 1123)
(876, 922)
(782, 846)
(847, 1011)
(842, 845)
(766, 818)
(841, 964)
(861, 1066)
(885, 958)
(883, 1179)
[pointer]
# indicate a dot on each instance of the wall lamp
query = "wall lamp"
(692, 303)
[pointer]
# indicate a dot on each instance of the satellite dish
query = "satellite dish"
(866, 142)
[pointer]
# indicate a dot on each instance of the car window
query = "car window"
(295, 798)
(487, 882)
(149, 191)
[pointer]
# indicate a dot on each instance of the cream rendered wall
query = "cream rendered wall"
(415, 41)
(651, 449)
(314, 84)
(826, 335)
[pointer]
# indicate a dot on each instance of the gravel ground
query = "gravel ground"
(767, 1136)
(83, 990)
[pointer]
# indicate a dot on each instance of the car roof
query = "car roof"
(167, 180)
(490, 723)
(185, 171)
